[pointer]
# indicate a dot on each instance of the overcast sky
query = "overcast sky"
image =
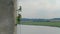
(40, 8)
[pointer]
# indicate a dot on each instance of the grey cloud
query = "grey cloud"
(39, 9)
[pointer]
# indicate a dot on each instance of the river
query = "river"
(30, 29)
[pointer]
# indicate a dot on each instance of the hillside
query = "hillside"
(40, 20)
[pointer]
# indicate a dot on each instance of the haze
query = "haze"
(40, 8)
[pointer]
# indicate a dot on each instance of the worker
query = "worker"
(18, 19)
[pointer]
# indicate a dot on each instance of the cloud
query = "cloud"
(39, 8)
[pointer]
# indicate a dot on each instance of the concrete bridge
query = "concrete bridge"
(7, 16)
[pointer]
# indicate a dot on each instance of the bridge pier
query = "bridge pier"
(7, 16)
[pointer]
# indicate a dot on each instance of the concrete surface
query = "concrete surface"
(7, 21)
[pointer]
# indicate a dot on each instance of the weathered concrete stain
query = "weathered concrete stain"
(6, 17)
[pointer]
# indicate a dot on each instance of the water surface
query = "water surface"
(29, 29)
